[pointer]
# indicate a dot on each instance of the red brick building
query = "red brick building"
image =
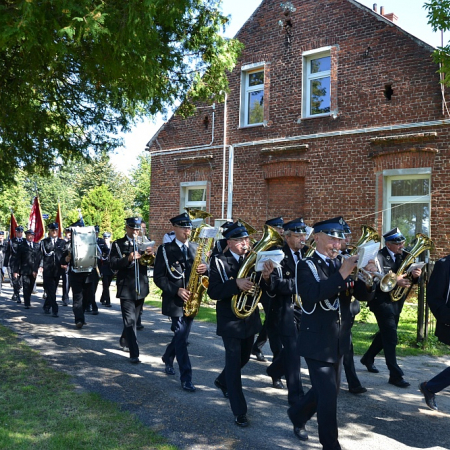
(333, 110)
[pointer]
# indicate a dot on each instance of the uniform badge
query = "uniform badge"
(172, 269)
(388, 257)
(288, 273)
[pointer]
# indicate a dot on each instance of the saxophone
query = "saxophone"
(198, 283)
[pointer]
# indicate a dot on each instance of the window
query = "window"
(252, 95)
(316, 83)
(193, 195)
(408, 204)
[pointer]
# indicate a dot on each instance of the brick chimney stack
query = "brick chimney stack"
(391, 16)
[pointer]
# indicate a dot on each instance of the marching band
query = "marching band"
(310, 296)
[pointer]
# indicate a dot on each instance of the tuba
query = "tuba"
(198, 283)
(422, 243)
(245, 303)
(367, 234)
(311, 249)
(250, 230)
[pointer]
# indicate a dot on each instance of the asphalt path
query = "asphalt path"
(384, 418)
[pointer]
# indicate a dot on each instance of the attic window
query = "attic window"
(388, 91)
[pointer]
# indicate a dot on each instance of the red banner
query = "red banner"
(59, 221)
(36, 222)
(12, 226)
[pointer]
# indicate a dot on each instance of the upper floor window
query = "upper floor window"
(408, 204)
(316, 83)
(252, 95)
(193, 195)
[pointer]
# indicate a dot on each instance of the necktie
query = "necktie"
(30, 244)
(184, 251)
(331, 266)
(241, 259)
(297, 254)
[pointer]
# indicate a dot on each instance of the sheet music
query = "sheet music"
(276, 256)
(208, 232)
(415, 266)
(367, 252)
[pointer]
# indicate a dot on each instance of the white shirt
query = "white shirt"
(236, 256)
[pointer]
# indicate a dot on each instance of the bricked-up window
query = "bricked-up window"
(317, 82)
(252, 95)
(408, 204)
(193, 195)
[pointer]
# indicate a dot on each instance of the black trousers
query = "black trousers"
(181, 327)
(50, 286)
(287, 364)
(28, 281)
(268, 331)
(237, 355)
(106, 281)
(130, 313)
(321, 398)
(440, 381)
(16, 284)
(66, 286)
(387, 315)
(77, 283)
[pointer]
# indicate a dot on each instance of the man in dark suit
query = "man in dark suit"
(11, 261)
(388, 312)
(65, 273)
(237, 334)
(2, 257)
(52, 249)
(105, 269)
(27, 265)
(124, 258)
(269, 329)
(286, 312)
(173, 267)
(439, 303)
(324, 285)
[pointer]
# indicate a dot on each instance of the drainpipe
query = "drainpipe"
(230, 182)
(224, 159)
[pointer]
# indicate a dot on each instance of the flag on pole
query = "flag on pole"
(12, 226)
(36, 222)
(58, 220)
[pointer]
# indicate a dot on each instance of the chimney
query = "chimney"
(382, 10)
(391, 16)
(375, 7)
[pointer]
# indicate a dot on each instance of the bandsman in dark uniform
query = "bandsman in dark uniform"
(220, 246)
(3, 247)
(27, 265)
(354, 385)
(324, 285)
(11, 262)
(286, 312)
(53, 249)
(131, 291)
(105, 269)
(237, 334)
(388, 312)
(65, 273)
(173, 265)
(269, 329)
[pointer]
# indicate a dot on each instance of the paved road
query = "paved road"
(385, 418)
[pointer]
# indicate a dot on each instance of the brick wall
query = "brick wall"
(312, 176)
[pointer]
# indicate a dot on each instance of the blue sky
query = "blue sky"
(411, 17)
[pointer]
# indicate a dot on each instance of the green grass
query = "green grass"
(363, 330)
(40, 409)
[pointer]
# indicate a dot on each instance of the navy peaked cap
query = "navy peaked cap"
(19, 228)
(132, 222)
(53, 226)
(276, 222)
(394, 235)
(2, 233)
(106, 234)
(296, 225)
(333, 227)
(29, 232)
(235, 231)
(182, 220)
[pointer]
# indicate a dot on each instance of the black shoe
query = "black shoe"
(430, 398)
(64, 303)
(55, 315)
(102, 302)
(241, 420)
(277, 383)
(370, 366)
(95, 313)
(79, 324)
(89, 310)
(222, 387)
(301, 433)
(135, 360)
(18, 300)
(188, 386)
(46, 311)
(399, 383)
(357, 390)
(27, 307)
(259, 356)
(139, 327)
(108, 305)
(169, 370)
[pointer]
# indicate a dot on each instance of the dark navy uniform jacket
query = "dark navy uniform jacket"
(28, 258)
(222, 287)
(126, 284)
(325, 334)
(53, 256)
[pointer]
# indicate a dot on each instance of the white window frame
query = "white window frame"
(245, 89)
(307, 77)
(403, 174)
(185, 187)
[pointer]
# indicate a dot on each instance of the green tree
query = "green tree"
(438, 15)
(15, 198)
(101, 208)
(140, 179)
(74, 72)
